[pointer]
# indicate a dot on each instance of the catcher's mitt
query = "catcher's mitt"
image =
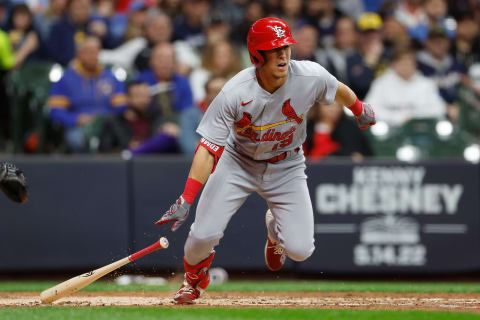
(13, 182)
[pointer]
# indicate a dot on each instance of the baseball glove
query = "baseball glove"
(13, 182)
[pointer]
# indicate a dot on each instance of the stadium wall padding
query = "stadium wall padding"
(372, 217)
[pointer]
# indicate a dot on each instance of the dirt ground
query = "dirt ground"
(325, 300)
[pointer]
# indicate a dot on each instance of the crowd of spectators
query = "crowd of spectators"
(137, 75)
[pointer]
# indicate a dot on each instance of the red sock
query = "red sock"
(192, 187)
(356, 108)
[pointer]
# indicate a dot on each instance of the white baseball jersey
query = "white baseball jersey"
(259, 124)
(256, 125)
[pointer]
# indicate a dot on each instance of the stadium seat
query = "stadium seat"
(469, 103)
(28, 88)
(422, 134)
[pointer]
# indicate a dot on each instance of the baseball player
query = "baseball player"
(252, 135)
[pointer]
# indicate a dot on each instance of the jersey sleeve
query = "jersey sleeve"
(217, 121)
(59, 103)
(327, 84)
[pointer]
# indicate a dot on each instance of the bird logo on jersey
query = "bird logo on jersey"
(290, 113)
(268, 132)
(279, 32)
(245, 121)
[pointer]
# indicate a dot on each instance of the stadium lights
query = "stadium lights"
(120, 73)
(126, 155)
(408, 153)
(380, 129)
(444, 128)
(451, 24)
(472, 153)
(56, 73)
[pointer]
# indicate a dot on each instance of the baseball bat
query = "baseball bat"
(74, 284)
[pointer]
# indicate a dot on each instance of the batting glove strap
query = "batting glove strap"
(366, 118)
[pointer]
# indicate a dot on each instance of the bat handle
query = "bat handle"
(160, 244)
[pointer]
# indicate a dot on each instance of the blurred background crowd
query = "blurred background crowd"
(134, 77)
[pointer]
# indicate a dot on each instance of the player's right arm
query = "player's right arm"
(202, 166)
(214, 129)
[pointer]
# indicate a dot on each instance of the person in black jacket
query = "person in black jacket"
(331, 132)
(132, 127)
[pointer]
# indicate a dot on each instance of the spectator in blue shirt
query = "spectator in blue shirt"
(437, 63)
(45, 20)
(73, 28)
(190, 119)
(133, 126)
(86, 92)
(344, 61)
(190, 26)
(323, 15)
(172, 95)
(162, 79)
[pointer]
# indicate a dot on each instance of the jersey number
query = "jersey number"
(283, 143)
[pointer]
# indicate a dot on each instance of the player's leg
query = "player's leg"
(225, 191)
(290, 224)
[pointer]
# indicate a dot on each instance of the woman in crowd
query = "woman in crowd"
(23, 37)
(219, 59)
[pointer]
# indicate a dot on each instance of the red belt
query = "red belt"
(280, 157)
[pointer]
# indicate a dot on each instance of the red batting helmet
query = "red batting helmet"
(267, 34)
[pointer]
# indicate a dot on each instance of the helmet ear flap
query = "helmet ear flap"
(254, 59)
(258, 59)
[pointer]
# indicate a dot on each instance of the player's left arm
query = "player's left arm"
(363, 112)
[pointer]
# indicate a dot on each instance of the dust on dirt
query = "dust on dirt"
(324, 300)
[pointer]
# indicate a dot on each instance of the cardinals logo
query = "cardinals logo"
(279, 32)
(245, 121)
(289, 112)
